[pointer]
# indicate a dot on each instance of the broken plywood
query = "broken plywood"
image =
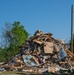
(48, 47)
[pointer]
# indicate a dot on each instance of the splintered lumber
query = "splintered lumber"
(37, 41)
(35, 60)
(40, 53)
(70, 55)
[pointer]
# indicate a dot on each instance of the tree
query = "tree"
(1, 56)
(14, 36)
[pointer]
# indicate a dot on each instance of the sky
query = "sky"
(52, 16)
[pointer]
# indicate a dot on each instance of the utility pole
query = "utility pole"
(72, 10)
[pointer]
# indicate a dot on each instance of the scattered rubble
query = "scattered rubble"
(40, 53)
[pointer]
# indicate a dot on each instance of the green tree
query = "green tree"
(14, 36)
(1, 56)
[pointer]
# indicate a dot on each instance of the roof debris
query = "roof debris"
(41, 53)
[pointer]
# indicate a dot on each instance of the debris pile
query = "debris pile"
(40, 53)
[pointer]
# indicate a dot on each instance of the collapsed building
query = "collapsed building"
(40, 53)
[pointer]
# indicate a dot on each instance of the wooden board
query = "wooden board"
(70, 55)
(48, 47)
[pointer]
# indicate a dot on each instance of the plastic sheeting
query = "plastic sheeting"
(62, 53)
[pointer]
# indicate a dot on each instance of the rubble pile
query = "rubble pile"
(40, 53)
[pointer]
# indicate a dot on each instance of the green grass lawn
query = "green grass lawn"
(23, 73)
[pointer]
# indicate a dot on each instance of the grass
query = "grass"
(22, 73)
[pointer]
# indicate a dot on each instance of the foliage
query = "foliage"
(1, 56)
(14, 36)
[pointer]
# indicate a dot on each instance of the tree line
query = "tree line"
(13, 36)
